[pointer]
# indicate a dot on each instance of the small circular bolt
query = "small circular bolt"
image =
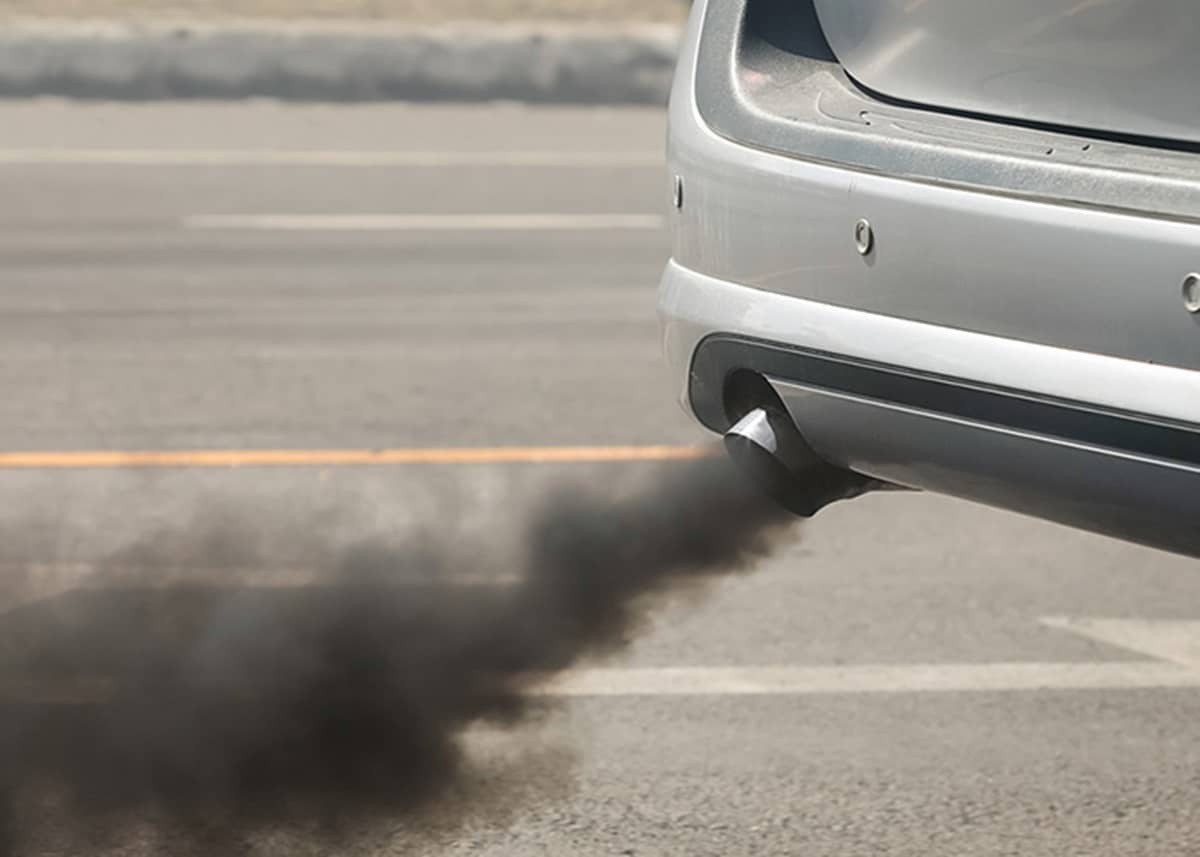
(1191, 292)
(677, 192)
(864, 237)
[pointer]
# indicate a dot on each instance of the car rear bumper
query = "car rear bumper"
(1070, 436)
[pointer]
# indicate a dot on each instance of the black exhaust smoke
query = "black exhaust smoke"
(223, 714)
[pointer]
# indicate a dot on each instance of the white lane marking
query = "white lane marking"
(423, 222)
(765, 681)
(1175, 641)
(323, 158)
(902, 678)
(1175, 645)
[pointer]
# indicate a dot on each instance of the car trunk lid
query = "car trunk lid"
(1122, 67)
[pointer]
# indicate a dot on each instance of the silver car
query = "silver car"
(946, 244)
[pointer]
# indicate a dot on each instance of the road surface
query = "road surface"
(913, 675)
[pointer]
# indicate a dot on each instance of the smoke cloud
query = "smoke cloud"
(225, 713)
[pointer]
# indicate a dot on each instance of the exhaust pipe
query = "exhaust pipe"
(767, 447)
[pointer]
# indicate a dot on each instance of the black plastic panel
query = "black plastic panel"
(720, 355)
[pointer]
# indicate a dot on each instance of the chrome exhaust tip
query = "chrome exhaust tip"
(768, 448)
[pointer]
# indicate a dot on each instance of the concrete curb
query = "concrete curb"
(591, 64)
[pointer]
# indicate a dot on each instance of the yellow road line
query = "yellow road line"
(342, 457)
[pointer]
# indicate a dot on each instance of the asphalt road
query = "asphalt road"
(152, 299)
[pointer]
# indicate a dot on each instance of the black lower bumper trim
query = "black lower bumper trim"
(719, 355)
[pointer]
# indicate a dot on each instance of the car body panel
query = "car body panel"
(1038, 300)
(1128, 67)
(1092, 279)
